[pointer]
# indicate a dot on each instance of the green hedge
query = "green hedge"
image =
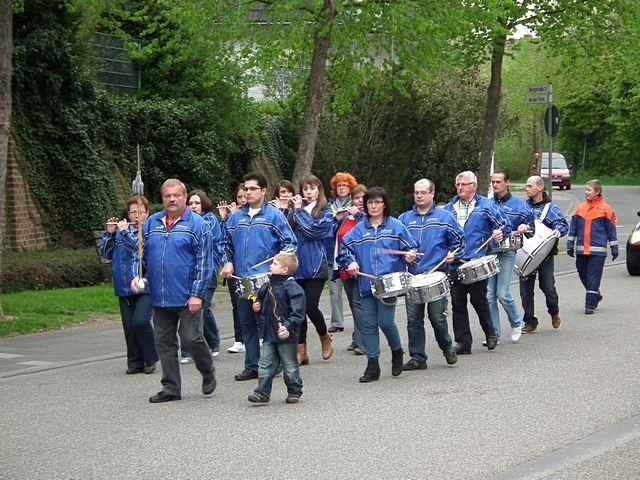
(47, 269)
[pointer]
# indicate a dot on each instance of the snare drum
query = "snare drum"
(249, 286)
(479, 269)
(391, 285)
(428, 287)
(510, 243)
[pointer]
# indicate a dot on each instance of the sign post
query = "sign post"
(539, 94)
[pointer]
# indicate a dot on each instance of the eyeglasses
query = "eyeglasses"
(375, 202)
(464, 184)
(136, 212)
(421, 192)
(252, 188)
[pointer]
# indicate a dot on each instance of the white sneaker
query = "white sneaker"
(516, 333)
(185, 360)
(237, 347)
(215, 353)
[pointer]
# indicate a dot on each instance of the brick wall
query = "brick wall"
(24, 230)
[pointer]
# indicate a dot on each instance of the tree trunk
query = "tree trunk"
(6, 52)
(491, 113)
(315, 94)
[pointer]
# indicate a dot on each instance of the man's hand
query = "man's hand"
(283, 332)
(353, 269)
(523, 228)
(194, 304)
(227, 270)
(556, 233)
(450, 257)
(497, 235)
(123, 225)
(410, 256)
(256, 307)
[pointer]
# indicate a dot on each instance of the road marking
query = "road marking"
(9, 356)
(580, 451)
(35, 363)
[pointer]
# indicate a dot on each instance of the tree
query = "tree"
(491, 23)
(6, 53)
(327, 43)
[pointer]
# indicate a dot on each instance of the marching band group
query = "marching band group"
(276, 257)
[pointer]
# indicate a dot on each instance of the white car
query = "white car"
(633, 251)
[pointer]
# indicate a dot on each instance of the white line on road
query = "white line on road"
(9, 356)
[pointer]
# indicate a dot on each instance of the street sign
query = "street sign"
(552, 121)
(538, 94)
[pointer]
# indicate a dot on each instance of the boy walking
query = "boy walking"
(281, 305)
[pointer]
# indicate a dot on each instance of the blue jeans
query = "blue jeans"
(138, 332)
(353, 296)
(275, 357)
(210, 327)
(376, 314)
(249, 329)
(499, 288)
(437, 312)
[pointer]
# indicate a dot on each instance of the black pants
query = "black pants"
(232, 283)
(478, 293)
(313, 289)
(547, 284)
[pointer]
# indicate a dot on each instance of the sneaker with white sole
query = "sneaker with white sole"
(215, 352)
(185, 360)
(237, 347)
(516, 333)
(484, 342)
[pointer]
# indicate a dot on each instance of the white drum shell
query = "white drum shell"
(390, 285)
(428, 287)
(479, 269)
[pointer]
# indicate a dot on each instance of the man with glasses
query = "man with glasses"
(438, 235)
(480, 221)
(551, 215)
(256, 232)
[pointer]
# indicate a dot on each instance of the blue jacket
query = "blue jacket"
(515, 210)
(178, 262)
(313, 235)
(282, 300)
(363, 243)
(554, 219)
(593, 225)
(217, 246)
(249, 241)
(436, 233)
(482, 221)
(119, 247)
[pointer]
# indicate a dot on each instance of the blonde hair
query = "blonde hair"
(596, 185)
(173, 182)
(289, 260)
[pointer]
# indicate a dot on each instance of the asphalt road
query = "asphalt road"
(560, 404)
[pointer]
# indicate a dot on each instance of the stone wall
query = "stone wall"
(24, 229)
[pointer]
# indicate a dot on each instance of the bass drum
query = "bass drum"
(534, 250)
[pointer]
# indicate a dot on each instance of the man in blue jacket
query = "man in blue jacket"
(520, 218)
(480, 221)
(256, 232)
(551, 215)
(437, 234)
(177, 257)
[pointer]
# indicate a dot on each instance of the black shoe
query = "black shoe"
(293, 398)
(451, 357)
(588, 311)
(396, 362)
(351, 347)
(492, 342)
(372, 372)
(462, 350)
(414, 364)
(134, 370)
(162, 397)
(150, 368)
(209, 384)
(256, 397)
(246, 374)
(598, 300)
(333, 329)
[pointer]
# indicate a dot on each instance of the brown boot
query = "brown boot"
(303, 357)
(327, 347)
(555, 320)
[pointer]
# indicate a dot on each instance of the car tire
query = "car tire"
(568, 187)
(633, 261)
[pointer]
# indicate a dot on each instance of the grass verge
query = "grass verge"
(51, 309)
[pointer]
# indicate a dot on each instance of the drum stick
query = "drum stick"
(443, 260)
(485, 243)
(263, 262)
(398, 252)
(367, 275)
(235, 277)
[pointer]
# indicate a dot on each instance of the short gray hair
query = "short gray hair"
(536, 179)
(173, 182)
(469, 174)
